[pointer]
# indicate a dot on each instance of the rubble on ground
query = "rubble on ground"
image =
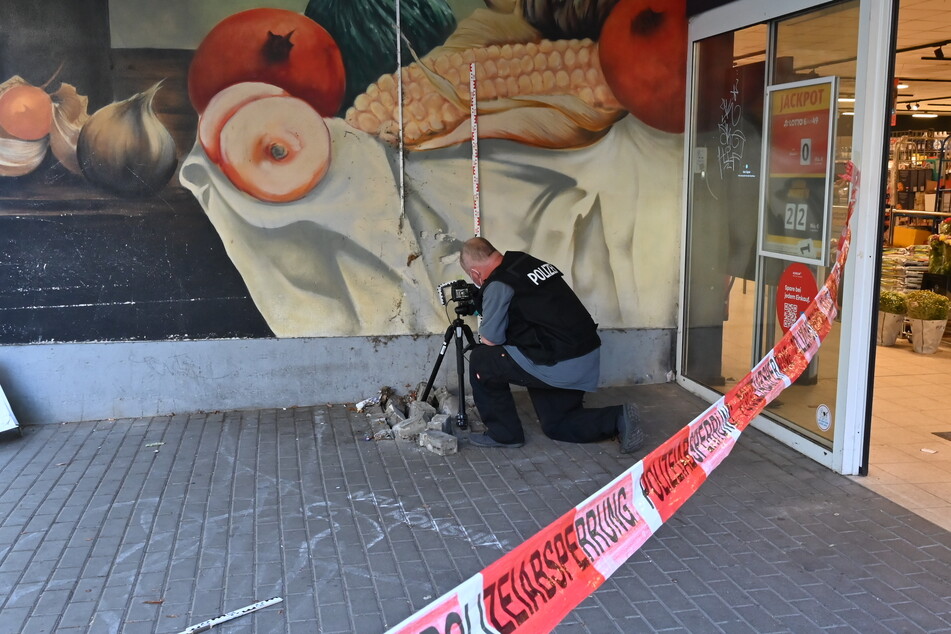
(431, 423)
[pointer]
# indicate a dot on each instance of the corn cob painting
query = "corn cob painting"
(547, 94)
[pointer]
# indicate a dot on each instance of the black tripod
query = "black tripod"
(460, 329)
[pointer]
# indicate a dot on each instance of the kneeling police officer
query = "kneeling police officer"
(536, 333)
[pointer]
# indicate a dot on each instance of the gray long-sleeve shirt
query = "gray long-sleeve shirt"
(580, 373)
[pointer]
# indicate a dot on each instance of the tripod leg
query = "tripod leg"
(467, 331)
(461, 421)
(439, 358)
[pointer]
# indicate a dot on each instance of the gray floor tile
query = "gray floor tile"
(99, 533)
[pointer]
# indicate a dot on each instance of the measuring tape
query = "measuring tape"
(210, 623)
(474, 118)
(399, 102)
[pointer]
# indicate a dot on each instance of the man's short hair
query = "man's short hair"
(475, 250)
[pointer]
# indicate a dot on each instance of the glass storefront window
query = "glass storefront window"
(733, 311)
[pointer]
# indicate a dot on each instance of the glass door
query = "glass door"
(723, 207)
(738, 297)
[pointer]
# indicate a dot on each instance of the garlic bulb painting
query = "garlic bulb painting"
(125, 148)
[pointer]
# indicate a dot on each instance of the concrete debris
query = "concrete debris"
(410, 429)
(380, 399)
(449, 404)
(475, 421)
(398, 402)
(380, 429)
(428, 423)
(419, 408)
(439, 442)
(440, 394)
(421, 388)
(394, 414)
(438, 422)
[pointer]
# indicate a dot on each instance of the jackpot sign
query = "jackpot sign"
(799, 168)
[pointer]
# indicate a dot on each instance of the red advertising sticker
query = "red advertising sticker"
(795, 290)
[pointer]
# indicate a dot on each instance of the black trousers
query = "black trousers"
(561, 411)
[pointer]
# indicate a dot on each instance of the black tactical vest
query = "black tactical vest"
(547, 321)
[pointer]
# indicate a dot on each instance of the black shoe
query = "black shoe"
(629, 430)
(485, 440)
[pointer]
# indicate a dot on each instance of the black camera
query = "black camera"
(465, 295)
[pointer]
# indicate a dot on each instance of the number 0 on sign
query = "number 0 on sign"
(805, 152)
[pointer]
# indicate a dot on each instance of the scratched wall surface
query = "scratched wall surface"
(359, 254)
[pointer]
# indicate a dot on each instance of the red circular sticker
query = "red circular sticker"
(797, 288)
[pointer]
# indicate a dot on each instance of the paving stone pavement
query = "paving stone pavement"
(155, 524)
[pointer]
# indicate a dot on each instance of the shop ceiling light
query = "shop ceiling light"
(924, 115)
(902, 86)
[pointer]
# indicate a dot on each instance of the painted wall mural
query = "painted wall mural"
(335, 207)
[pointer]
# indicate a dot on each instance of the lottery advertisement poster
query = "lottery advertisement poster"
(795, 223)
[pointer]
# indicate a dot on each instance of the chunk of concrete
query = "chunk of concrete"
(380, 429)
(449, 404)
(440, 393)
(396, 404)
(438, 422)
(420, 388)
(439, 442)
(409, 429)
(394, 414)
(421, 409)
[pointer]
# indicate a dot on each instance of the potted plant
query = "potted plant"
(939, 257)
(928, 313)
(891, 316)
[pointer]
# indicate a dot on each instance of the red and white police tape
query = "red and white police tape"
(533, 587)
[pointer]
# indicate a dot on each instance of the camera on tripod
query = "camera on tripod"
(462, 293)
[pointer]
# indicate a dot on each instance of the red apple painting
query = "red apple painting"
(643, 52)
(274, 46)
